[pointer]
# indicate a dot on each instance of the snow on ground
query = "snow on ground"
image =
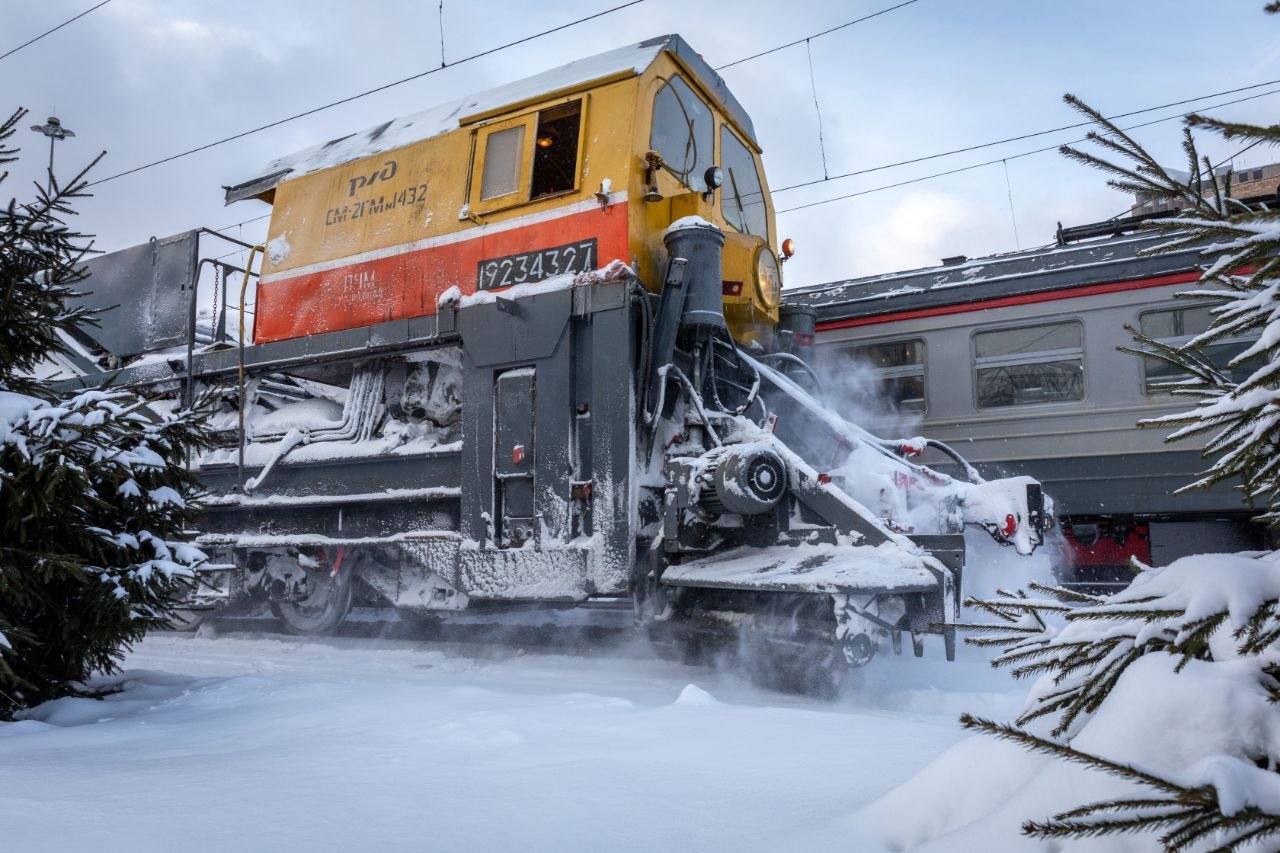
(261, 742)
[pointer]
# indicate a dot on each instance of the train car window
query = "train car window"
(742, 196)
(683, 132)
(877, 379)
(503, 152)
(1175, 327)
(1032, 364)
(555, 153)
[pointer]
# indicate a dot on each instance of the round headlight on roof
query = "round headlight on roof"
(768, 277)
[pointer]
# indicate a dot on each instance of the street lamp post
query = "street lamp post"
(55, 131)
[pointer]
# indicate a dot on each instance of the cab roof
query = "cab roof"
(619, 63)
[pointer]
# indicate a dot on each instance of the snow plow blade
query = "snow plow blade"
(831, 569)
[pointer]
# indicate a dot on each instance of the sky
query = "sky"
(144, 79)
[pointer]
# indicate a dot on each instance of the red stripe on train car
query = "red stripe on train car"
(406, 285)
(1019, 299)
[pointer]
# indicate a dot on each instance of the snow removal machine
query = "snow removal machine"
(529, 348)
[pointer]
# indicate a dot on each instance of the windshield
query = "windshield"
(683, 132)
(742, 198)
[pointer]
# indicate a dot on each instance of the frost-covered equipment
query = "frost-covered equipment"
(599, 433)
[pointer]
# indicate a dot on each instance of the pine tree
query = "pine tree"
(1215, 611)
(1241, 247)
(94, 493)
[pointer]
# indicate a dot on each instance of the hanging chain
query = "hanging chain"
(219, 273)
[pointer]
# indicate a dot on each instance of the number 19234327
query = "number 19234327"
(536, 265)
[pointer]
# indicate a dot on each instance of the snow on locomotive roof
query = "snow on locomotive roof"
(398, 132)
(1033, 270)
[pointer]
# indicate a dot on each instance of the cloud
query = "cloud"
(919, 230)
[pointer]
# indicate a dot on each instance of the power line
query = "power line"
(1019, 138)
(364, 94)
(814, 36)
(1009, 157)
(52, 31)
(242, 222)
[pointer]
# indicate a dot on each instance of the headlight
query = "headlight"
(768, 277)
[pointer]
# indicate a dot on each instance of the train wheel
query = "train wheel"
(324, 608)
(809, 673)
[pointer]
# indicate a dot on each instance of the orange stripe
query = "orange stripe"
(407, 285)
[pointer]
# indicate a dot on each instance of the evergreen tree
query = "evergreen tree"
(1241, 246)
(94, 493)
(1214, 613)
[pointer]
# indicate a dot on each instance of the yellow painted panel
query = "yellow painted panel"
(420, 191)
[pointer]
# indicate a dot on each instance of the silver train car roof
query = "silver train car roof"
(1039, 270)
(633, 58)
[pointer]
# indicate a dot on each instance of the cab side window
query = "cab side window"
(555, 153)
(742, 197)
(683, 133)
(529, 157)
(502, 157)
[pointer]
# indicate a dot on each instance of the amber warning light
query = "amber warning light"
(788, 249)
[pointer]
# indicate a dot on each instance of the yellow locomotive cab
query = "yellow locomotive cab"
(562, 172)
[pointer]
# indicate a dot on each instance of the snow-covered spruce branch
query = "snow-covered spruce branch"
(1238, 420)
(1209, 807)
(93, 501)
(1025, 623)
(1219, 614)
(1181, 610)
(41, 261)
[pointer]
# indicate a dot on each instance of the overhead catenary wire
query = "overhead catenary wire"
(814, 36)
(50, 32)
(1020, 137)
(382, 88)
(1013, 217)
(822, 146)
(1017, 156)
(440, 20)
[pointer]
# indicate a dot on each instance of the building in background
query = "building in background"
(1252, 186)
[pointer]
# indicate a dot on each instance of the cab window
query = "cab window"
(530, 157)
(502, 163)
(555, 153)
(683, 133)
(742, 196)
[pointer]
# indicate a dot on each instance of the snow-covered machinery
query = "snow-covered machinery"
(448, 412)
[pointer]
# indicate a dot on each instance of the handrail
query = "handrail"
(244, 286)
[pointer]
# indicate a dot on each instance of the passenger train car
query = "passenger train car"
(1014, 360)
